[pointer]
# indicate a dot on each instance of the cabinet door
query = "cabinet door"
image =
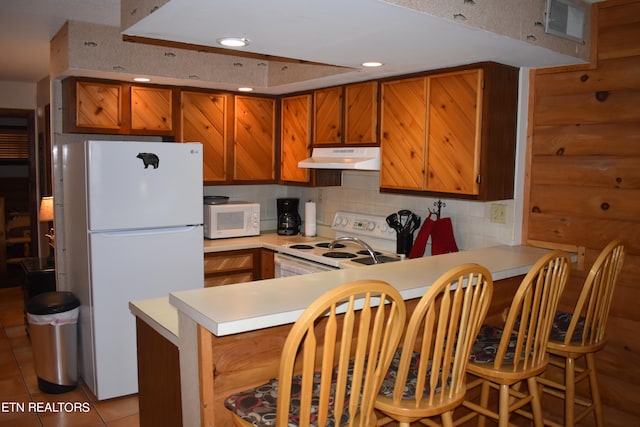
(151, 109)
(223, 268)
(98, 105)
(361, 113)
(454, 111)
(254, 130)
(295, 137)
(327, 116)
(203, 119)
(403, 134)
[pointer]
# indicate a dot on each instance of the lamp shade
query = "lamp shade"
(46, 209)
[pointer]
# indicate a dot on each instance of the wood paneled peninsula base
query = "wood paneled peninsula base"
(230, 337)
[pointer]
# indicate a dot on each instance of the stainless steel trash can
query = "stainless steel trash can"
(53, 326)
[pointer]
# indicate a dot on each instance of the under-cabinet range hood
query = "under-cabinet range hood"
(360, 158)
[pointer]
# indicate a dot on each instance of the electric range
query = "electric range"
(370, 228)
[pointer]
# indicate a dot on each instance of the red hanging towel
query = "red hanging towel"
(442, 239)
(417, 250)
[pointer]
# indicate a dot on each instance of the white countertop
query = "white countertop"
(242, 307)
(159, 314)
(271, 241)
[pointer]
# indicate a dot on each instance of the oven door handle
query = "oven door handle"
(286, 266)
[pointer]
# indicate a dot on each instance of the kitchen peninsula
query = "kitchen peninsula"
(230, 337)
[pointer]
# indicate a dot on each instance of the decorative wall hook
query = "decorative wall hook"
(439, 204)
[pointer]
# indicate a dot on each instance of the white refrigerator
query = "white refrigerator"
(132, 231)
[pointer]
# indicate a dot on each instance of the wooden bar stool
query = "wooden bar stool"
(580, 334)
(504, 357)
(333, 361)
(427, 375)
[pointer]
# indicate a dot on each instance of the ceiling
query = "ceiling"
(27, 26)
(332, 32)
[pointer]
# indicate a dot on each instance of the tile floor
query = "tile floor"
(19, 384)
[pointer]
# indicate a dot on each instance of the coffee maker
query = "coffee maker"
(288, 217)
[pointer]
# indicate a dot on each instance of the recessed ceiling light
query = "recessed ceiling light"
(233, 41)
(372, 64)
(245, 89)
(141, 79)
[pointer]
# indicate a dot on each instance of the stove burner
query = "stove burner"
(300, 246)
(339, 255)
(365, 252)
(326, 245)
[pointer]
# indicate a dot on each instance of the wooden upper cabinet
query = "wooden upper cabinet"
(346, 114)
(254, 133)
(361, 113)
(403, 124)
(95, 105)
(203, 118)
(295, 137)
(152, 109)
(111, 107)
(451, 132)
(453, 136)
(327, 108)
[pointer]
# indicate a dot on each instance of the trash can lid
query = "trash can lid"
(52, 302)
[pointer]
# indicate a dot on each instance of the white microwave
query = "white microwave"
(231, 220)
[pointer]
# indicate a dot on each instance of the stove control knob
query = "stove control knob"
(345, 221)
(384, 228)
(371, 226)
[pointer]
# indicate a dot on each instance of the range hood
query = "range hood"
(360, 158)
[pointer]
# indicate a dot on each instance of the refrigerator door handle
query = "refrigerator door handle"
(148, 231)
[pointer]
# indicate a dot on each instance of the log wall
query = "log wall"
(583, 181)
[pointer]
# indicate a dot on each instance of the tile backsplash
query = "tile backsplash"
(360, 193)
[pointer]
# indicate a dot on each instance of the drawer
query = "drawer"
(228, 261)
(228, 279)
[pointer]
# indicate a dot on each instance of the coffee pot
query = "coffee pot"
(289, 220)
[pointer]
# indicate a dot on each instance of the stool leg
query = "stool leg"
(447, 419)
(484, 402)
(536, 406)
(570, 391)
(503, 406)
(595, 390)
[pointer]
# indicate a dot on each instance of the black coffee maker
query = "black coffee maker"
(288, 217)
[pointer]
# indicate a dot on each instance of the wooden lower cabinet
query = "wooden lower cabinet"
(243, 265)
(159, 398)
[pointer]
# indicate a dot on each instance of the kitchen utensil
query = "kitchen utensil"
(414, 223)
(404, 215)
(394, 222)
(404, 222)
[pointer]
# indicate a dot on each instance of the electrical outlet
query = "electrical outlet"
(499, 213)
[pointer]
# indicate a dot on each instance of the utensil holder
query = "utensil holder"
(404, 242)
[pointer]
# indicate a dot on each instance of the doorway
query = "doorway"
(18, 187)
